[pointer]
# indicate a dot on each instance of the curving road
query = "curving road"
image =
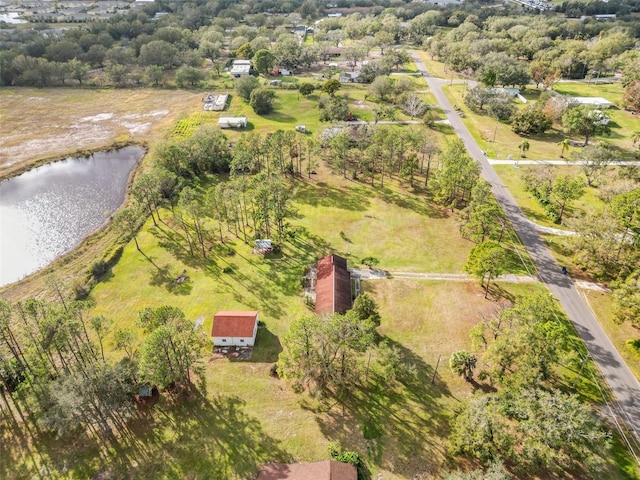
(616, 372)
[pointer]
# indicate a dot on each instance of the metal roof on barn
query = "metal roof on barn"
(333, 286)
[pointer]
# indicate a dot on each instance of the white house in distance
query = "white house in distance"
(594, 101)
(240, 68)
(234, 329)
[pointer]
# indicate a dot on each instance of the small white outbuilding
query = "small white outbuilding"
(232, 122)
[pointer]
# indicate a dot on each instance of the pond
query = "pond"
(47, 211)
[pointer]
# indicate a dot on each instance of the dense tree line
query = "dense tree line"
(54, 375)
(138, 48)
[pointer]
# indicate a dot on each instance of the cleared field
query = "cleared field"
(39, 125)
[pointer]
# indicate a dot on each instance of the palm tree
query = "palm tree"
(463, 363)
(564, 144)
(524, 146)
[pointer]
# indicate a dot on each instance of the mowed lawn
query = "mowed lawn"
(513, 178)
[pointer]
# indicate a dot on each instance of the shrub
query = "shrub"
(370, 261)
(98, 268)
(80, 288)
(308, 301)
(531, 120)
(245, 85)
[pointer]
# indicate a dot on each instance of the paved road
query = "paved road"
(620, 379)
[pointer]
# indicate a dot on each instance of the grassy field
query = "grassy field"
(513, 179)
(619, 334)
(419, 317)
(622, 124)
(246, 417)
(436, 69)
(290, 109)
(76, 120)
(499, 141)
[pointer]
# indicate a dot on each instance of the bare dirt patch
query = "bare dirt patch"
(232, 353)
(45, 124)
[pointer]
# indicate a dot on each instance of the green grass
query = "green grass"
(542, 147)
(622, 124)
(246, 417)
(601, 303)
(483, 129)
(436, 69)
(291, 109)
(381, 223)
(513, 178)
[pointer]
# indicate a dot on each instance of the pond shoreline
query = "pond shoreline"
(73, 266)
(8, 172)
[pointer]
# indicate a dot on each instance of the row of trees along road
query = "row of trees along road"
(529, 422)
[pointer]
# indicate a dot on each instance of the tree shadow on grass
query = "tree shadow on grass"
(399, 423)
(176, 284)
(497, 293)
(210, 439)
(323, 194)
(534, 215)
(557, 245)
(280, 117)
(174, 243)
(267, 347)
(189, 438)
(410, 202)
(27, 453)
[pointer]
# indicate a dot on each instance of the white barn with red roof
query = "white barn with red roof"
(234, 328)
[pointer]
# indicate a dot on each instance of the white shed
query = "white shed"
(240, 68)
(232, 122)
(235, 328)
(593, 101)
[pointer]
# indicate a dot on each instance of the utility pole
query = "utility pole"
(436, 370)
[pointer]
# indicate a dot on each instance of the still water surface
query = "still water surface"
(45, 212)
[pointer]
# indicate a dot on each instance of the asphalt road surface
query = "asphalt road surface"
(622, 382)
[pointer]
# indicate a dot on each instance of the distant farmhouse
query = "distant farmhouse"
(240, 68)
(593, 101)
(350, 77)
(234, 328)
(333, 286)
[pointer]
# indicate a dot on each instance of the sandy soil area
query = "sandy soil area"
(40, 124)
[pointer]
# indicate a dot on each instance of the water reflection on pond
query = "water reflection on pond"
(45, 212)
